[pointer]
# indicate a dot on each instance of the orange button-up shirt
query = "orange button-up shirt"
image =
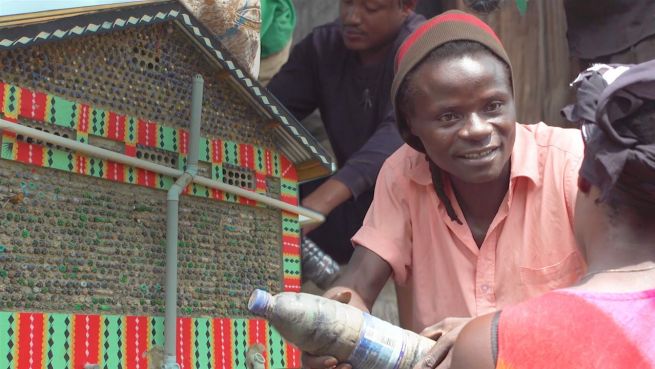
(437, 266)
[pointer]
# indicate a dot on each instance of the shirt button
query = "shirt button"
(485, 288)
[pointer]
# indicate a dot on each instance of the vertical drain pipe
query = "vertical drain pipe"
(173, 200)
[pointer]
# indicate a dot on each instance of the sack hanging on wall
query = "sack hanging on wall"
(236, 24)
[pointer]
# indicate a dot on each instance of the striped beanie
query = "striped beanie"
(452, 25)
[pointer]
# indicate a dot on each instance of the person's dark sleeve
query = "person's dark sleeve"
(295, 85)
(361, 170)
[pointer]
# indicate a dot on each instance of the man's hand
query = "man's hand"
(445, 333)
(323, 362)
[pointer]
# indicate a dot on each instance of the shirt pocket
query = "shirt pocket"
(558, 275)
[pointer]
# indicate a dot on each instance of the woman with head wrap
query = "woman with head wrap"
(607, 320)
(475, 211)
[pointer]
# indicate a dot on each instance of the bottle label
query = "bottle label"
(381, 345)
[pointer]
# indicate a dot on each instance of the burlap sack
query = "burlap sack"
(236, 23)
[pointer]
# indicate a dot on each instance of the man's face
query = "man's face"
(463, 112)
(371, 24)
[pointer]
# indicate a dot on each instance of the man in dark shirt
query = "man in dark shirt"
(611, 31)
(345, 69)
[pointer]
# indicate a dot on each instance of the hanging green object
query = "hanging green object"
(522, 5)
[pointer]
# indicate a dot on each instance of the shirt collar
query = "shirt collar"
(525, 156)
(418, 169)
(525, 160)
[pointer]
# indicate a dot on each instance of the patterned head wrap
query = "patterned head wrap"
(619, 155)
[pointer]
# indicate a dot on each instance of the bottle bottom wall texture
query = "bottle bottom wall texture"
(382, 345)
(317, 266)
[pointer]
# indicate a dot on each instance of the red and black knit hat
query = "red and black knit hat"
(452, 25)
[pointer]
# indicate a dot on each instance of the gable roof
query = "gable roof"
(296, 143)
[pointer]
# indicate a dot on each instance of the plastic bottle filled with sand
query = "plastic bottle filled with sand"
(321, 326)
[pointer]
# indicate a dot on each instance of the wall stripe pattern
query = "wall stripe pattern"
(86, 120)
(68, 341)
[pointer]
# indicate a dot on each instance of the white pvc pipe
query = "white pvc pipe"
(93, 151)
(170, 311)
(104, 154)
(194, 128)
(172, 225)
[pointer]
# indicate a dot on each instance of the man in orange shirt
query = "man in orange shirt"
(475, 211)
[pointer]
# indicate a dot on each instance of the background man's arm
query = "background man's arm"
(296, 84)
(360, 171)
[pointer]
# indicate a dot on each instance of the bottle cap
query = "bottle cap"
(258, 303)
